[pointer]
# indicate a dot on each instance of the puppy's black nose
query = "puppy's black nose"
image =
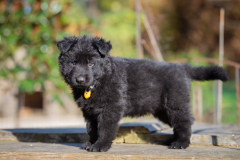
(80, 79)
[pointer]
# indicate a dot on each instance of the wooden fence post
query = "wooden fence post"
(237, 95)
(218, 110)
(138, 30)
(21, 102)
(197, 110)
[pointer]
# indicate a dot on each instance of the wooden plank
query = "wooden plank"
(42, 151)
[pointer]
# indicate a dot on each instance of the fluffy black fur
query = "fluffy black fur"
(128, 87)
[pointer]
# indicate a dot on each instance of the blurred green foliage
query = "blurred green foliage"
(29, 31)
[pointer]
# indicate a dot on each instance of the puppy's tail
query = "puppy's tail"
(207, 73)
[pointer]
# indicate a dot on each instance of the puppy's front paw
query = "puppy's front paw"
(100, 147)
(179, 145)
(86, 145)
(169, 141)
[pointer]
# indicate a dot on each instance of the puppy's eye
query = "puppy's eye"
(90, 64)
(74, 62)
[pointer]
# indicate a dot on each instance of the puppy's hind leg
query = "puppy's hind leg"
(176, 104)
(177, 115)
(163, 116)
(181, 122)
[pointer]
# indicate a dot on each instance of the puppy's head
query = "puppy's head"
(83, 59)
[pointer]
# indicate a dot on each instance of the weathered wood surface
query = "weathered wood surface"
(42, 151)
(130, 133)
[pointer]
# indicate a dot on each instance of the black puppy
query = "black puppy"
(109, 88)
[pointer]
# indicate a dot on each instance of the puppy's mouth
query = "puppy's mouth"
(83, 86)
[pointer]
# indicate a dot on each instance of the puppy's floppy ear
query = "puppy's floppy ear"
(102, 46)
(65, 45)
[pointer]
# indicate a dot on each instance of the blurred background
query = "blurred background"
(32, 92)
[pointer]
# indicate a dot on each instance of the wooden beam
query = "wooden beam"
(151, 35)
